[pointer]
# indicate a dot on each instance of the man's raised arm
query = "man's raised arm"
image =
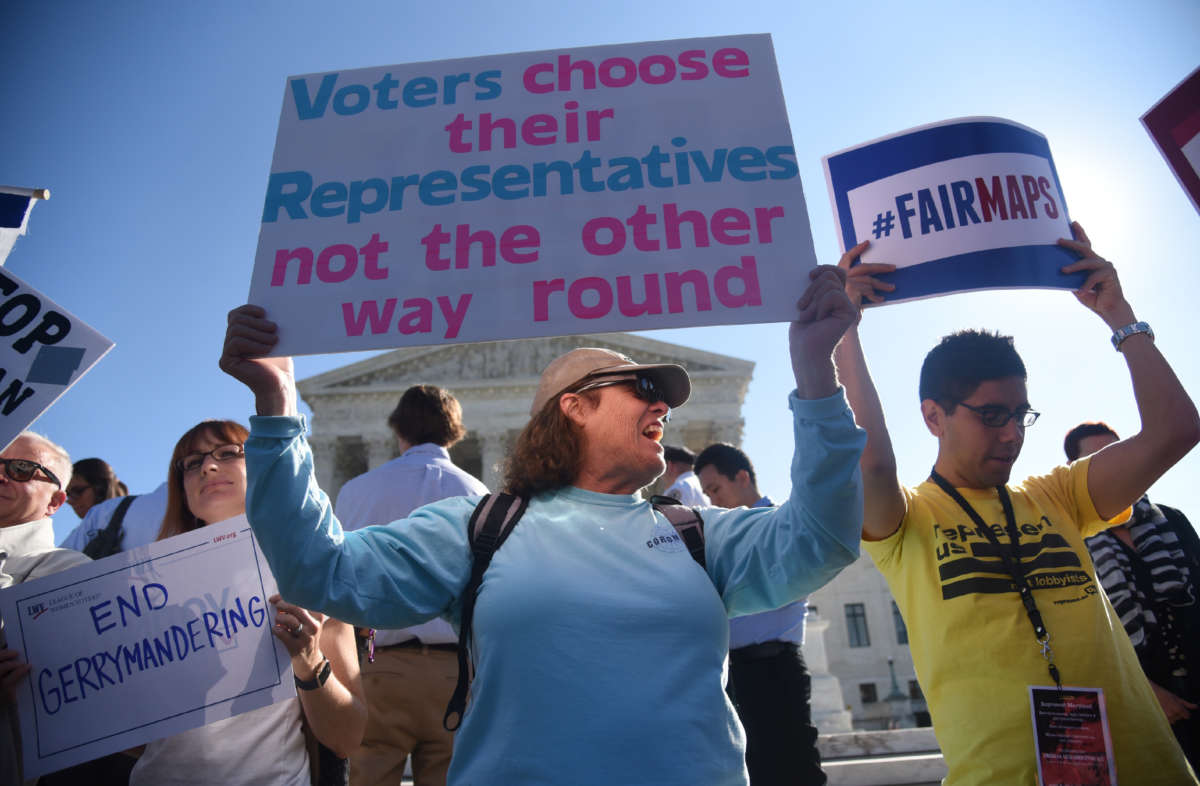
(1122, 472)
(883, 499)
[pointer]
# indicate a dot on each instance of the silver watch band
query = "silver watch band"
(1122, 333)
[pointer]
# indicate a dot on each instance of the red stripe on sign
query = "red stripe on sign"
(1185, 131)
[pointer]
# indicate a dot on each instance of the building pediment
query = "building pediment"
(505, 363)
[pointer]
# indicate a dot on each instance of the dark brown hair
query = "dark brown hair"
(101, 477)
(1082, 432)
(427, 413)
(548, 452)
(179, 517)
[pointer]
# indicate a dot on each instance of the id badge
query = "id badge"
(1070, 734)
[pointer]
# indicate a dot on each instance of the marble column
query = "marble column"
(325, 462)
(381, 448)
(493, 449)
(829, 713)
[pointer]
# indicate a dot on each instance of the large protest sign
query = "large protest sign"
(45, 350)
(1174, 125)
(963, 204)
(144, 644)
(607, 188)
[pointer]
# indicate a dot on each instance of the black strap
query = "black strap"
(489, 526)
(1011, 558)
(493, 519)
(686, 521)
(107, 541)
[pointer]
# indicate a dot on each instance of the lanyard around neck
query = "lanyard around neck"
(1011, 558)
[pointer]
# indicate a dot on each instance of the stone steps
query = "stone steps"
(900, 757)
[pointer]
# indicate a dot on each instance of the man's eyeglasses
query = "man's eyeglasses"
(643, 386)
(996, 416)
(192, 462)
(24, 470)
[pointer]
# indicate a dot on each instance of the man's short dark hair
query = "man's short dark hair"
(955, 367)
(427, 413)
(1083, 431)
(726, 459)
(678, 454)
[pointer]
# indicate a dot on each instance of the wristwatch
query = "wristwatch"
(322, 674)
(1122, 333)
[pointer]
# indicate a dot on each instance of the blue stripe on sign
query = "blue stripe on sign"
(12, 210)
(1001, 268)
(855, 168)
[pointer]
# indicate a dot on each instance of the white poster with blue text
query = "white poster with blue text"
(966, 204)
(576, 190)
(144, 644)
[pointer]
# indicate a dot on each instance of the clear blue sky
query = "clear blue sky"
(153, 124)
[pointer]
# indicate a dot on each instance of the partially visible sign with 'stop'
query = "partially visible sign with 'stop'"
(624, 187)
(46, 349)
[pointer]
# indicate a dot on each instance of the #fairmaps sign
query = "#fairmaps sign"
(628, 187)
(144, 644)
(959, 205)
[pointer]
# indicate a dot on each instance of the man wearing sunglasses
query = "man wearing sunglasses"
(599, 641)
(1007, 624)
(31, 490)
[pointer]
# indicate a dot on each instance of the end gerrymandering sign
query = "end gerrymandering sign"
(627, 187)
(46, 349)
(144, 644)
(964, 204)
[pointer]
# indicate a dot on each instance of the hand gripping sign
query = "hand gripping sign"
(637, 186)
(964, 204)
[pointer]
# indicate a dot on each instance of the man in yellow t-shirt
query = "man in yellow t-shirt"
(1010, 633)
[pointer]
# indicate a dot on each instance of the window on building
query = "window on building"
(856, 625)
(901, 629)
(866, 692)
(914, 691)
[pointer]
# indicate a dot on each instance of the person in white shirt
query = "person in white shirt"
(31, 491)
(412, 676)
(681, 483)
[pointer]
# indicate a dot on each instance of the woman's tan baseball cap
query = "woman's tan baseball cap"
(567, 370)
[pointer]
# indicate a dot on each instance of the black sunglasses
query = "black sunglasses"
(24, 470)
(996, 416)
(643, 386)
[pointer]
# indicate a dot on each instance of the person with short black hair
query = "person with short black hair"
(679, 481)
(992, 578)
(410, 677)
(768, 681)
(1150, 568)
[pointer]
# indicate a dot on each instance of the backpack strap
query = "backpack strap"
(107, 541)
(686, 521)
(489, 526)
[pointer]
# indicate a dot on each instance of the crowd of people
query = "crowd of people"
(607, 636)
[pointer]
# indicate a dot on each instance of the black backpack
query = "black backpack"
(490, 524)
(107, 541)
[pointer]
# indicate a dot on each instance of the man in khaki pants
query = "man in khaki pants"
(415, 669)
